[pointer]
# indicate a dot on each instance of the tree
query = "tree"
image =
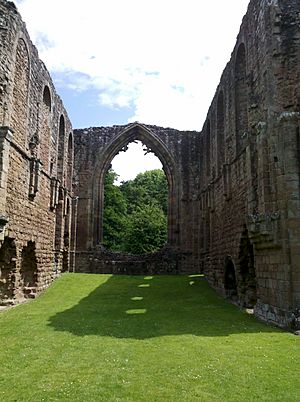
(115, 213)
(146, 230)
(148, 188)
(135, 213)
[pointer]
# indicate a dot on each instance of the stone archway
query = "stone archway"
(247, 275)
(66, 240)
(230, 281)
(94, 152)
(8, 258)
(28, 271)
(151, 141)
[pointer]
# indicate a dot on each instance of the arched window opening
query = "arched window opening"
(201, 156)
(207, 151)
(90, 215)
(207, 226)
(69, 169)
(20, 94)
(220, 132)
(241, 98)
(230, 283)
(47, 99)
(8, 260)
(247, 291)
(135, 203)
(28, 271)
(61, 148)
(59, 224)
(67, 229)
(45, 132)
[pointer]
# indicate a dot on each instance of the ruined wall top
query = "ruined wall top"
(91, 142)
(26, 86)
(269, 34)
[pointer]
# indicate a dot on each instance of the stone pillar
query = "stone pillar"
(73, 234)
(59, 221)
(290, 137)
(6, 135)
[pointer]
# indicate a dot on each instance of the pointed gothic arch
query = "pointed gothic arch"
(61, 148)
(134, 132)
(19, 115)
(241, 98)
(45, 128)
(220, 131)
(69, 162)
(207, 151)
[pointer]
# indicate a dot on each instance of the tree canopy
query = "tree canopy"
(135, 213)
(115, 213)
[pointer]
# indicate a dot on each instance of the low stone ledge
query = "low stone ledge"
(102, 261)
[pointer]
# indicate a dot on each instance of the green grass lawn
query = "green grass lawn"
(162, 338)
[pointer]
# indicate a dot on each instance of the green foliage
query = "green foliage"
(148, 188)
(115, 210)
(135, 213)
(104, 338)
(146, 230)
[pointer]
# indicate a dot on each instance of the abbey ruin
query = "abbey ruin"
(234, 187)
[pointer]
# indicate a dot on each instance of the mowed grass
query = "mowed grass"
(162, 338)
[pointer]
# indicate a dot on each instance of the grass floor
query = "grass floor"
(118, 338)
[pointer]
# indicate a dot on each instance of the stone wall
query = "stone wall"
(250, 196)
(35, 167)
(94, 150)
(100, 261)
(234, 187)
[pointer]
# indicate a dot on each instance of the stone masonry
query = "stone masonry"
(36, 159)
(234, 187)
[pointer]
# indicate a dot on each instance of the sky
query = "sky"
(118, 61)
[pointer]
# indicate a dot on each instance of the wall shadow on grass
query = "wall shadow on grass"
(147, 307)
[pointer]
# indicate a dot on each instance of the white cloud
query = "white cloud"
(128, 164)
(163, 58)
